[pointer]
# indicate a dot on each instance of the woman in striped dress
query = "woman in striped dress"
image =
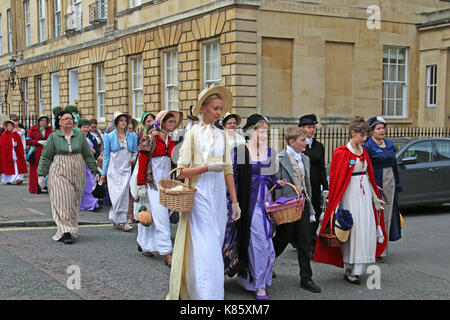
(63, 159)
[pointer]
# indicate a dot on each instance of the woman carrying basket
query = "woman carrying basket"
(255, 168)
(353, 188)
(204, 161)
(155, 153)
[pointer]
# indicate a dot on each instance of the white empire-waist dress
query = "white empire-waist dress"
(118, 179)
(156, 237)
(200, 235)
(361, 246)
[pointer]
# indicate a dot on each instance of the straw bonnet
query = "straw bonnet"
(224, 93)
(44, 116)
(342, 224)
(118, 114)
(233, 115)
(6, 122)
(177, 114)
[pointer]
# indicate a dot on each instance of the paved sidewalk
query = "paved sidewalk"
(19, 208)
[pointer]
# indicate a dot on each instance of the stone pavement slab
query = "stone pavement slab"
(20, 208)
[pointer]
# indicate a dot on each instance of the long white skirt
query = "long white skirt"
(362, 243)
(207, 223)
(156, 237)
(118, 179)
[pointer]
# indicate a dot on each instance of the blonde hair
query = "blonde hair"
(293, 133)
(211, 98)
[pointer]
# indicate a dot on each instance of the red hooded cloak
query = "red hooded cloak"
(340, 174)
(6, 156)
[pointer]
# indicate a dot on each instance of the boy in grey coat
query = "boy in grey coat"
(294, 168)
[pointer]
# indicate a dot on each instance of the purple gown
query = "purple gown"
(88, 201)
(261, 251)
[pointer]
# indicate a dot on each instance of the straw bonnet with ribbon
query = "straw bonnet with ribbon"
(342, 224)
(224, 93)
(118, 114)
(164, 113)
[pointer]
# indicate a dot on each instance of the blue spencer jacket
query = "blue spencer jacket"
(385, 158)
(111, 144)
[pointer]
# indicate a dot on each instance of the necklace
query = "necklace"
(122, 139)
(378, 143)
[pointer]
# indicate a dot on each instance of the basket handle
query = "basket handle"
(171, 171)
(271, 189)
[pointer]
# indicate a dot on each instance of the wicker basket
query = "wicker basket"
(328, 237)
(181, 201)
(290, 212)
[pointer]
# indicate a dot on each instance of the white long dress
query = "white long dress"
(361, 246)
(207, 223)
(156, 237)
(118, 179)
(9, 178)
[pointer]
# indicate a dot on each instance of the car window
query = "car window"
(443, 150)
(423, 151)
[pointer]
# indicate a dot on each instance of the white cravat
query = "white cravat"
(297, 156)
(309, 141)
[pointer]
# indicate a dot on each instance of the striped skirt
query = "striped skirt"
(66, 180)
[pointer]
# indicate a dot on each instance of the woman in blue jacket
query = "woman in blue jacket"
(382, 155)
(119, 153)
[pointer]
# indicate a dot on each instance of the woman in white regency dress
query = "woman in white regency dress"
(157, 237)
(197, 265)
(119, 153)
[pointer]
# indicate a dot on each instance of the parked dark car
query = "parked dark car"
(424, 169)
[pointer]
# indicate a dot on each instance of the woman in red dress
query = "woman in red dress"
(12, 157)
(38, 133)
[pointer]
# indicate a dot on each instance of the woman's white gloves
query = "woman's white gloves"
(378, 203)
(236, 211)
(41, 182)
(142, 191)
(216, 167)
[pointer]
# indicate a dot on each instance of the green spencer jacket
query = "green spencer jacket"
(57, 144)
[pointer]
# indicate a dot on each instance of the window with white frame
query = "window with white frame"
(395, 82)
(76, 14)
(211, 64)
(100, 91)
(26, 8)
(135, 3)
(25, 96)
(137, 88)
(171, 80)
(431, 85)
(39, 98)
(41, 17)
(1, 36)
(73, 86)
(10, 38)
(54, 77)
(57, 17)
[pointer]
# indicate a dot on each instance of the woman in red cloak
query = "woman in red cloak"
(353, 187)
(12, 157)
(38, 133)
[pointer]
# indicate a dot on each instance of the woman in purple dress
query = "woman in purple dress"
(248, 248)
(88, 201)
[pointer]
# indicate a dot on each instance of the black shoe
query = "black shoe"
(352, 281)
(67, 238)
(310, 286)
(274, 275)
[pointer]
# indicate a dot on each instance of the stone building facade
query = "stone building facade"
(334, 58)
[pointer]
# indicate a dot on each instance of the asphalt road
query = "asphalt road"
(33, 266)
